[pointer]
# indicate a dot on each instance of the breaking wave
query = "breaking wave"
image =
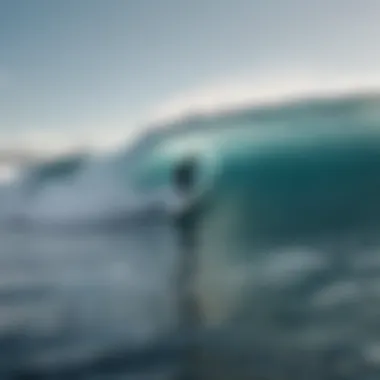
(90, 189)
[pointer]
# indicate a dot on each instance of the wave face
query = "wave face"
(100, 189)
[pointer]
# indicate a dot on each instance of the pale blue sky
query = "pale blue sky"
(69, 65)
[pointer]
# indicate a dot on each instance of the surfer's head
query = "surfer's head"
(184, 175)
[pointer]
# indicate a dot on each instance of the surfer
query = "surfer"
(184, 180)
(187, 219)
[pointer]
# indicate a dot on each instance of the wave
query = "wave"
(84, 189)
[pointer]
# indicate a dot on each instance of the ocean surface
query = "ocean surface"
(105, 306)
(89, 305)
(282, 226)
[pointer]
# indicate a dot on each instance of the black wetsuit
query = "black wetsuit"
(187, 223)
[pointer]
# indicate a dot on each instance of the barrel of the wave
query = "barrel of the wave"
(277, 252)
(284, 252)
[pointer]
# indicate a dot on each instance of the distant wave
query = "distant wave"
(86, 189)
